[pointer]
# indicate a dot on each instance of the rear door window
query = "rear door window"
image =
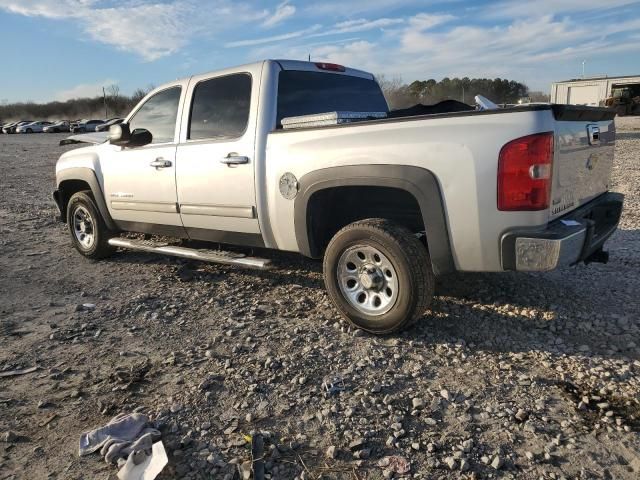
(220, 108)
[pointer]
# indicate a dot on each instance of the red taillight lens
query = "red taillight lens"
(524, 173)
(333, 67)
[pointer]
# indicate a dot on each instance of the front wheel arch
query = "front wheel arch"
(75, 179)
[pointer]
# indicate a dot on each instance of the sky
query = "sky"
(60, 49)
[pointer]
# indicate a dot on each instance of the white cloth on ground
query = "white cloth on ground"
(123, 435)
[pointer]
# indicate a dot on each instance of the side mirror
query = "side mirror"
(140, 137)
(120, 135)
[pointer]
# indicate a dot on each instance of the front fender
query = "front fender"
(88, 176)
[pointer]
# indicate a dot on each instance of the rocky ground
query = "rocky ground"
(507, 376)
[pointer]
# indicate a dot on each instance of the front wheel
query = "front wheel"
(379, 275)
(89, 234)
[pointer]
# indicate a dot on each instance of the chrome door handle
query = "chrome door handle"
(160, 163)
(233, 159)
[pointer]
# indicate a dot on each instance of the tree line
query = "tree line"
(112, 104)
(397, 93)
(428, 92)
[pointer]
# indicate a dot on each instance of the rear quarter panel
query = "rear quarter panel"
(460, 149)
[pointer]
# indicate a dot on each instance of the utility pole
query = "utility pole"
(462, 93)
(583, 62)
(104, 98)
(309, 57)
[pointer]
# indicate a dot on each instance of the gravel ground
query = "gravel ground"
(507, 376)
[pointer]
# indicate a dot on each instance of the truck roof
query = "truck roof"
(285, 65)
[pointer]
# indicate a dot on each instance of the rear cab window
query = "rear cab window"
(307, 93)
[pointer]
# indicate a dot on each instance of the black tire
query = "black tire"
(29, 130)
(412, 272)
(80, 203)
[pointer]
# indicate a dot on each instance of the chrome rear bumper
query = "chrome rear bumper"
(578, 236)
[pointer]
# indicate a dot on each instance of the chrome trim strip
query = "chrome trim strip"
(144, 206)
(218, 210)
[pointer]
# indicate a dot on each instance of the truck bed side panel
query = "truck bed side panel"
(460, 150)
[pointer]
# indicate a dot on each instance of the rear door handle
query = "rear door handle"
(160, 163)
(233, 159)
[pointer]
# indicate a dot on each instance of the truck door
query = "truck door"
(140, 182)
(215, 159)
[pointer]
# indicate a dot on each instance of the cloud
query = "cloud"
(274, 38)
(163, 32)
(315, 31)
(84, 90)
(147, 28)
(341, 8)
(533, 50)
(283, 11)
(537, 41)
(360, 25)
(520, 9)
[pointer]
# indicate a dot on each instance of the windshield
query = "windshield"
(306, 93)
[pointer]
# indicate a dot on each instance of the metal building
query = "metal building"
(591, 91)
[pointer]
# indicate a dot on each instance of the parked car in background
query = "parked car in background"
(105, 126)
(56, 127)
(33, 127)
(11, 127)
(85, 126)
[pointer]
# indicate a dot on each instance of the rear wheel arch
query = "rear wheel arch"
(73, 180)
(407, 184)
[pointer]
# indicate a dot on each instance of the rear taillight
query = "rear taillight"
(332, 67)
(524, 173)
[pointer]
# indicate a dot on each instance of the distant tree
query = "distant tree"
(140, 93)
(118, 105)
(396, 93)
(539, 96)
(430, 91)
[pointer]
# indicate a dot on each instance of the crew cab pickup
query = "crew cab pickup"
(386, 203)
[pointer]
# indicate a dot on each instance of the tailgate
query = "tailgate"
(583, 159)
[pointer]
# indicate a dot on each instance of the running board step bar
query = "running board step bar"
(216, 256)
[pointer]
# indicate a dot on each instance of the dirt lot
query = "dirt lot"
(508, 376)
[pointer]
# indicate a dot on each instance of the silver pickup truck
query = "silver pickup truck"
(387, 203)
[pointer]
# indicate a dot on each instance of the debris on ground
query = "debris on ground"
(123, 435)
(13, 373)
(395, 464)
(143, 466)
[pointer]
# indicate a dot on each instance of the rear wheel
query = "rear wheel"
(89, 234)
(379, 275)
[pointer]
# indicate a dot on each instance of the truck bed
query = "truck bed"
(461, 149)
